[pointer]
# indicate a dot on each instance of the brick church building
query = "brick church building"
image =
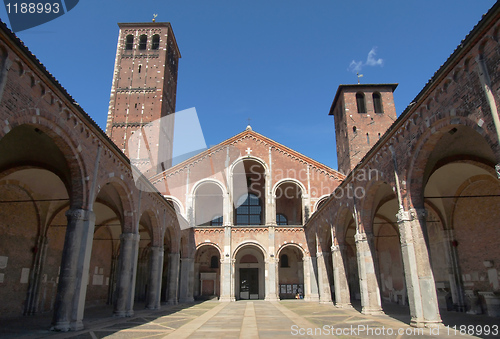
(89, 217)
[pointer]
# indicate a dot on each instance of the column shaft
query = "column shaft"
(173, 278)
(73, 278)
(154, 279)
(368, 283)
(420, 284)
(340, 283)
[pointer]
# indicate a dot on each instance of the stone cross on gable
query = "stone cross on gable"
(248, 151)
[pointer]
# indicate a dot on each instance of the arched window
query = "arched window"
(281, 219)
(377, 103)
(360, 101)
(217, 221)
(143, 41)
(284, 261)
(354, 129)
(249, 211)
(156, 42)
(129, 42)
(214, 262)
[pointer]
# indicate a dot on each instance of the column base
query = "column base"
(272, 298)
(313, 297)
(120, 314)
(77, 325)
(419, 323)
(63, 326)
(344, 305)
(186, 300)
(372, 311)
(326, 302)
(171, 302)
(226, 299)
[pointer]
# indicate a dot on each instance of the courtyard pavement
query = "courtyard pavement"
(251, 319)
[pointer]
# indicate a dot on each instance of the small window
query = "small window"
(129, 44)
(354, 129)
(156, 42)
(143, 41)
(214, 262)
(281, 219)
(367, 138)
(217, 221)
(284, 260)
(377, 103)
(140, 66)
(360, 101)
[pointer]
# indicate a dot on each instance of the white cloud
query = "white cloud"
(371, 60)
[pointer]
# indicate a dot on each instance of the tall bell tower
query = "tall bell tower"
(144, 88)
(362, 114)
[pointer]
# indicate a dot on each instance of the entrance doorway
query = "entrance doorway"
(249, 283)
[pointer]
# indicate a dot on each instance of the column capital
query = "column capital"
(337, 248)
(497, 169)
(360, 237)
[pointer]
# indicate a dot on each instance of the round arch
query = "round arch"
(250, 262)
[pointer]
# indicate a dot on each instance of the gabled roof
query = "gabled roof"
(248, 133)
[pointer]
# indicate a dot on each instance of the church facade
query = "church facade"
(411, 217)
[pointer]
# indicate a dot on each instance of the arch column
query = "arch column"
(310, 281)
(154, 279)
(187, 280)
(420, 284)
(226, 268)
(342, 296)
(271, 268)
(368, 283)
(72, 288)
(127, 267)
(325, 295)
(173, 278)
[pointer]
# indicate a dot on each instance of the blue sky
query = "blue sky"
(278, 63)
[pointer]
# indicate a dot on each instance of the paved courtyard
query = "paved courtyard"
(249, 319)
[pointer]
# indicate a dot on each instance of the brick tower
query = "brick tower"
(362, 114)
(144, 87)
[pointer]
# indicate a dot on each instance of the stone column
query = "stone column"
(420, 284)
(310, 280)
(197, 281)
(173, 278)
(127, 267)
(368, 283)
(270, 275)
(187, 276)
(325, 295)
(72, 288)
(340, 283)
(226, 268)
(154, 279)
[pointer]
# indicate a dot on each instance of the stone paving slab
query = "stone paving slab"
(254, 319)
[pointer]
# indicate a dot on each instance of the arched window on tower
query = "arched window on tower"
(284, 261)
(377, 103)
(143, 42)
(360, 102)
(156, 42)
(129, 42)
